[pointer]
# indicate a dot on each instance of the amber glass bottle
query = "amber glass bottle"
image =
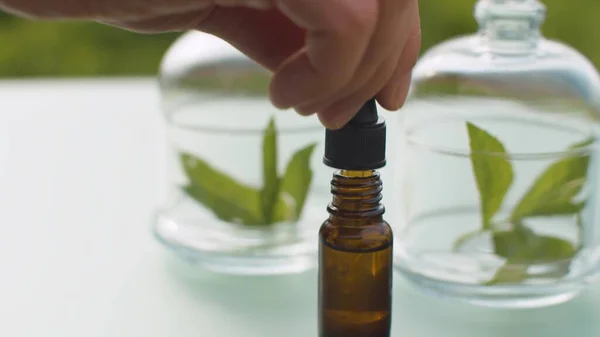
(355, 249)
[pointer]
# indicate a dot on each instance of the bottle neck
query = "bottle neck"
(356, 195)
(509, 26)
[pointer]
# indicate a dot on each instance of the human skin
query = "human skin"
(327, 56)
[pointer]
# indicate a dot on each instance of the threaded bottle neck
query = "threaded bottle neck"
(356, 195)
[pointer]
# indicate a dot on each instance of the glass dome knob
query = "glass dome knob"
(510, 25)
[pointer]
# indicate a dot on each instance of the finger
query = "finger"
(338, 35)
(393, 95)
(396, 18)
(401, 93)
(251, 31)
(342, 111)
(338, 114)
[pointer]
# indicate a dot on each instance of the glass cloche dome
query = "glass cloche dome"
(499, 154)
(248, 188)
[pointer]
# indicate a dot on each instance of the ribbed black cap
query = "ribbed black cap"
(360, 144)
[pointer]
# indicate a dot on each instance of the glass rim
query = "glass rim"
(413, 140)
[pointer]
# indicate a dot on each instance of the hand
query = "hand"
(328, 56)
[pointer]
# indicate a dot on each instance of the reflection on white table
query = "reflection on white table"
(81, 171)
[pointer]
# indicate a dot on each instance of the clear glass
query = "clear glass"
(501, 211)
(249, 191)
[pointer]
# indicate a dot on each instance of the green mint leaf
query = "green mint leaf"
(514, 243)
(508, 274)
(465, 238)
(228, 199)
(552, 249)
(521, 247)
(558, 207)
(269, 192)
(294, 186)
(553, 191)
(223, 208)
(492, 169)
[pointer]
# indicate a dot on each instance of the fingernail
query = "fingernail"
(281, 96)
(336, 121)
(402, 90)
(327, 122)
(274, 97)
(337, 124)
(304, 111)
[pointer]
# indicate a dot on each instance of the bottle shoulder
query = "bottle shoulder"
(373, 235)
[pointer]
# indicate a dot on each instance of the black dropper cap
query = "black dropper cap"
(360, 144)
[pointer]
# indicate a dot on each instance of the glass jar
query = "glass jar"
(499, 149)
(249, 190)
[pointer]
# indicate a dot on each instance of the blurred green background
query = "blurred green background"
(87, 49)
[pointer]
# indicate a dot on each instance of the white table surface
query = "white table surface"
(81, 171)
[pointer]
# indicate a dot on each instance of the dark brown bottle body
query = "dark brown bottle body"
(355, 253)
